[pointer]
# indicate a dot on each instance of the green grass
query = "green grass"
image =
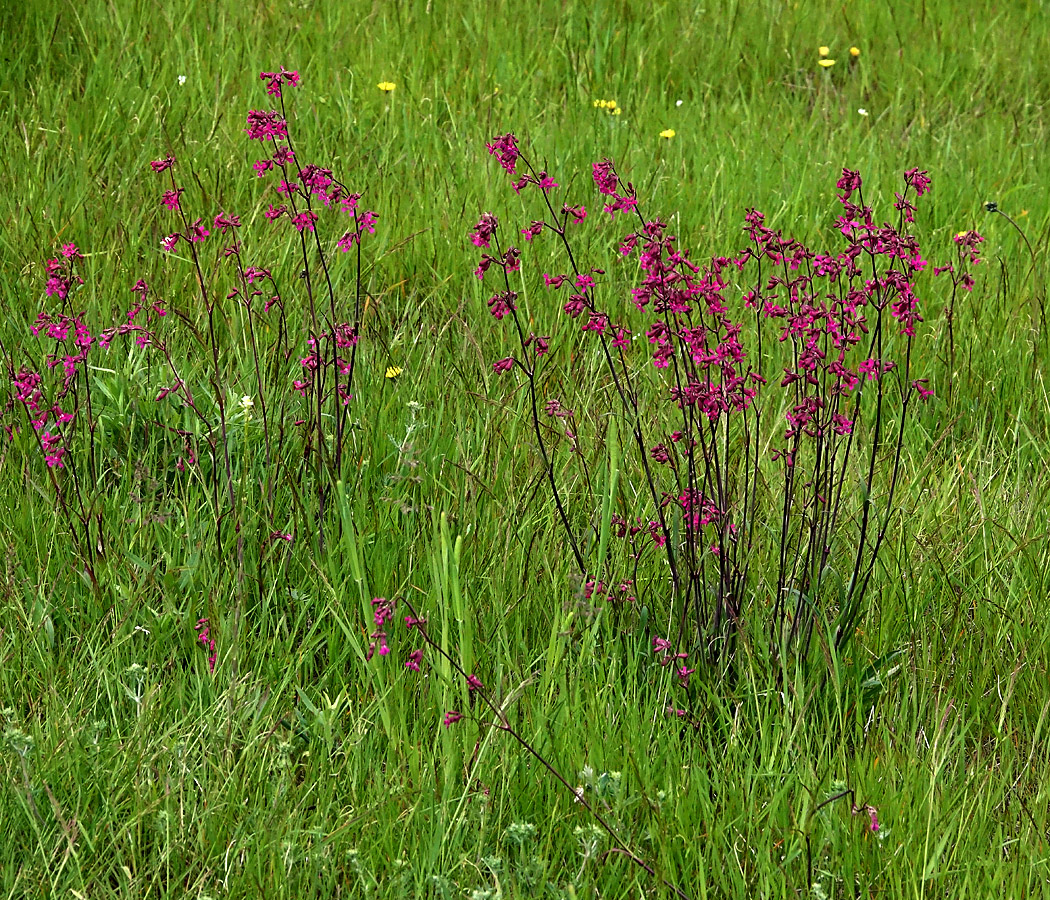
(298, 770)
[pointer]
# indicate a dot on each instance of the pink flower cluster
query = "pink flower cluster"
(382, 612)
(71, 342)
(662, 647)
(274, 80)
(203, 630)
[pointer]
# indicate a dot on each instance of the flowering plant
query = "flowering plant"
(756, 515)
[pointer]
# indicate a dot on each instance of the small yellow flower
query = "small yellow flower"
(854, 52)
(386, 86)
(667, 133)
(393, 371)
(823, 51)
(617, 111)
(826, 63)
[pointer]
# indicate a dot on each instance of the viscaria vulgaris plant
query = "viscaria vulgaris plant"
(766, 394)
(271, 444)
(317, 304)
(50, 391)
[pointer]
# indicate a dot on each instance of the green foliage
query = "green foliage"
(297, 769)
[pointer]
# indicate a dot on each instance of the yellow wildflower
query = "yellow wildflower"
(854, 52)
(667, 133)
(393, 371)
(826, 63)
(823, 51)
(386, 86)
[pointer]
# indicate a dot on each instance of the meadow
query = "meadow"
(524, 450)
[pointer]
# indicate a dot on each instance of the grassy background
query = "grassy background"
(298, 771)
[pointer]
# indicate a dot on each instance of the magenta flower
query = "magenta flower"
(282, 156)
(575, 305)
(505, 149)
(502, 304)
(474, 683)
(967, 242)
(171, 198)
(264, 126)
(484, 230)
(305, 220)
(503, 365)
(207, 641)
(578, 213)
(921, 386)
(546, 183)
(414, 659)
(383, 609)
(596, 322)
(848, 183)
(160, 165)
(605, 177)
(198, 232)
(620, 204)
(920, 180)
(542, 345)
(53, 453)
(225, 223)
(451, 717)
(378, 642)
(274, 79)
(534, 230)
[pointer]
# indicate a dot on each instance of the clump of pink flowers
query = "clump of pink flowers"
(203, 629)
(831, 331)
